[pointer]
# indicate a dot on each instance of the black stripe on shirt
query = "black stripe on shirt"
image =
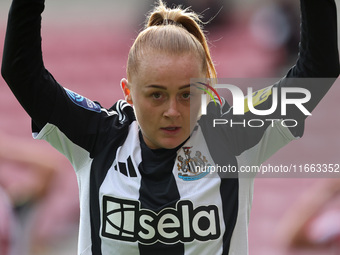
(158, 191)
(100, 166)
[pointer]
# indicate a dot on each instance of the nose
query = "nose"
(172, 109)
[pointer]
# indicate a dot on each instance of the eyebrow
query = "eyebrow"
(165, 88)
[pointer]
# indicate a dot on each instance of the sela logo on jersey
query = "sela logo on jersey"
(188, 166)
(125, 220)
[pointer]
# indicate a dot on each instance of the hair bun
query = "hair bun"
(158, 20)
(160, 32)
(162, 15)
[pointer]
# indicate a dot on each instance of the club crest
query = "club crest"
(190, 168)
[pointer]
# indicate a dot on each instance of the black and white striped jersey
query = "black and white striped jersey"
(135, 200)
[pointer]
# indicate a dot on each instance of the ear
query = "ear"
(126, 91)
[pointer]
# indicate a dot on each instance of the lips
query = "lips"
(171, 130)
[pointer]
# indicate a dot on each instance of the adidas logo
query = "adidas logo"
(126, 168)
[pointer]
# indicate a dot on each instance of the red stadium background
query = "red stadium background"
(85, 47)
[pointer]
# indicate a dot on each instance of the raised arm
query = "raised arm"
(73, 118)
(316, 70)
(318, 55)
(22, 64)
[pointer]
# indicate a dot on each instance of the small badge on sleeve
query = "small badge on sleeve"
(83, 101)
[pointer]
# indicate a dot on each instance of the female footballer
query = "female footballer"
(140, 190)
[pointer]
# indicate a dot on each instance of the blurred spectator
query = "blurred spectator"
(8, 226)
(275, 25)
(26, 173)
(36, 185)
(31, 180)
(312, 223)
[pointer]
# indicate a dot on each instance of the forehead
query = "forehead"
(156, 67)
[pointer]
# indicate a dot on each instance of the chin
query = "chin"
(169, 147)
(172, 144)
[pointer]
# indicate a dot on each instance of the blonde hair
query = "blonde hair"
(172, 31)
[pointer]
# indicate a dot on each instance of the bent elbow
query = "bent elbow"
(332, 70)
(335, 72)
(6, 71)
